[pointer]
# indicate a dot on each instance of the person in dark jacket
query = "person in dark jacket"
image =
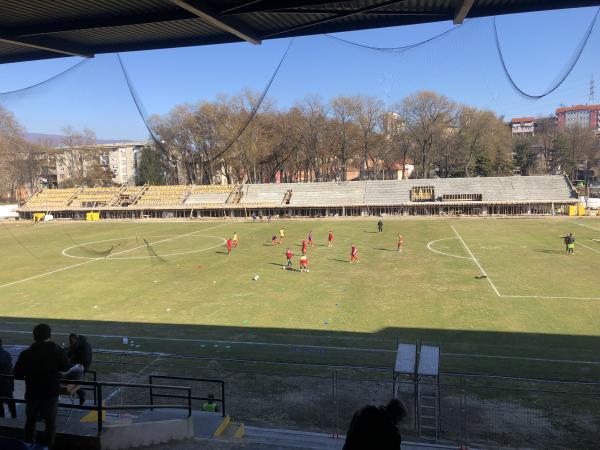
(80, 358)
(376, 427)
(7, 386)
(380, 226)
(40, 366)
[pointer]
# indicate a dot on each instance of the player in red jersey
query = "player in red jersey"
(304, 246)
(288, 255)
(310, 238)
(330, 239)
(354, 254)
(304, 263)
(229, 244)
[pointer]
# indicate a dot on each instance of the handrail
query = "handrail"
(202, 380)
(99, 407)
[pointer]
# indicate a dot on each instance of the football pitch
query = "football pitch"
(498, 295)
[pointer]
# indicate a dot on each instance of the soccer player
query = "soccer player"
(571, 244)
(310, 238)
(380, 226)
(281, 235)
(400, 242)
(304, 263)
(330, 239)
(304, 246)
(229, 246)
(354, 254)
(569, 240)
(288, 255)
(235, 239)
(274, 240)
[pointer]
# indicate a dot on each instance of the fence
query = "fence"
(474, 409)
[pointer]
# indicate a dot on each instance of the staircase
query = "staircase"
(115, 198)
(429, 411)
(139, 195)
(236, 194)
(287, 197)
(74, 196)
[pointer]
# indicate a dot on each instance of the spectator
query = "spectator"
(80, 357)
(7, 386)
(40, 366)
(375, 427)
(210, 405)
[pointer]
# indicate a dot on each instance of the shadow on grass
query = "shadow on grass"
(338, 260)
(462, 350)
(556, 252)
(386, 249)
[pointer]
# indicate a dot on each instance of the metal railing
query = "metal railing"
(221, 384)
(98, 405)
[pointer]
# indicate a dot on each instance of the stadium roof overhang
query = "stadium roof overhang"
(41, 29)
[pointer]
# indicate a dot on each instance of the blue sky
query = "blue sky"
(462, 65)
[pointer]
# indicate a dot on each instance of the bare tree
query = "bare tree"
(429, 120)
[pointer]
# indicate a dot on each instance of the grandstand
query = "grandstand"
(200, 195)
(514, 195)
(95, 197)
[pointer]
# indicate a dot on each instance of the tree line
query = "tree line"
(322, 141)
(343, 138)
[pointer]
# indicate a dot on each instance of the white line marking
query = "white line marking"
(97, 259)
(47, 273)
(586, 225)
(475, 260)
(64, 252)
(589, 248)
(325, 347)
(444, 253)
(549, 297)
(522, 358)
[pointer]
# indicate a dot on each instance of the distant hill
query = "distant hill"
(54, 140)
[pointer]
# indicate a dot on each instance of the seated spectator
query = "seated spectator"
(210, 405)
(80, 357)
(7, 385)
(376, 427)
(40, 366)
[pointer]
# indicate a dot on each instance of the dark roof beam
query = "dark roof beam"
(257, 6)
(372, 13)
(343, 15)
(47, 45)
(462, 11)
(104, 22)
(229, 25)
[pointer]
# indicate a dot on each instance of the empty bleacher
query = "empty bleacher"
(265, 194)
(96, 196)
(491, 189)
(163, 195)
(348, 193)
(389, 197)
(51, 198)
(210, 194)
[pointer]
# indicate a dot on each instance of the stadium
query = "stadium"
(453, 196)
(472, 298)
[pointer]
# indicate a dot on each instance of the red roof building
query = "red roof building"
(584, 116)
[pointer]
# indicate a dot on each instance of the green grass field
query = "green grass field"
(182, 292)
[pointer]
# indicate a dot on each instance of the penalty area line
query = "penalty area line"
(12, 283)
(483, 272)
(589, 248)
(586, 226)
